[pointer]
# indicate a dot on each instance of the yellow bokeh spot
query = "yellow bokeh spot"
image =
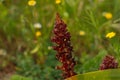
(58, 1)
(110, 35)
(107, 15)
(81, 33)
(38, 33)
(31, 2)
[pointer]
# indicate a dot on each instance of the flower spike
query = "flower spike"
(63, 47)
(108, 62)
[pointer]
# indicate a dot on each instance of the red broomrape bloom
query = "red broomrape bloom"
(63, 47)
(109, 62)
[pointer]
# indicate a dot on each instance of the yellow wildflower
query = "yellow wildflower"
(31, 2)
(81, 33)
(110, 35)
(107, 15)
(38, 33)
(58, 1)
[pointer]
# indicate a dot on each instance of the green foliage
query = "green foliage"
(18, 77)
(93, 63)
(44, 71)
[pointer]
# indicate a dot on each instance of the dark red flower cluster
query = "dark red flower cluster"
(63, 47)
(109, 62)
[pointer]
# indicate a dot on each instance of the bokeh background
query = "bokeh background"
(26, 29)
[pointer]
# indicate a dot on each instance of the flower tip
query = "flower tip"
(58, 19)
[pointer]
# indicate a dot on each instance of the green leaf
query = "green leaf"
(111, 74)
(35, 49)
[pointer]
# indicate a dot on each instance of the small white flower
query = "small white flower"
(37, 25)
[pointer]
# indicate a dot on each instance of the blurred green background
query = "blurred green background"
(26, 30)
